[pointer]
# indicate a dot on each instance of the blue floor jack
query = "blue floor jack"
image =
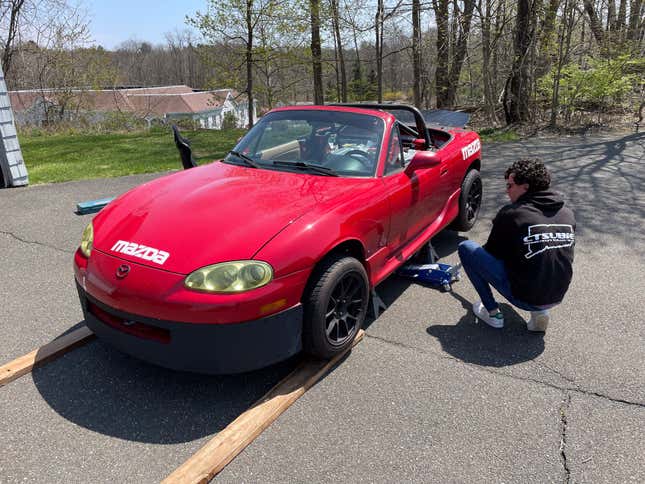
(434, 274)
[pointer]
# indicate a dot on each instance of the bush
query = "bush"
(600, 84)
(229, 121)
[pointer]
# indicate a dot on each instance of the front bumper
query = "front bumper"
(202, 348)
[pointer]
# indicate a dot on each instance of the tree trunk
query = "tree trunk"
(459, 53)
(611, 15)
(316, 54)
(635, 31)
(441, 71)
(517, 95)
(621, 20)
(594, 22)
(339, 47)
(416, 51)
(12, 30)
(547, 44)
(249, 60)
(378, 24)
(487, 75)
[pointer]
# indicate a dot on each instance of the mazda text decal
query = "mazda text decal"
(135, 250)
(543, 237)
(470, 149)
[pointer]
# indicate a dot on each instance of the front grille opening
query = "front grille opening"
(134, 328)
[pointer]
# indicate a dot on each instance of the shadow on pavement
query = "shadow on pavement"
(473, 341)
(599, 177)
(111, 393)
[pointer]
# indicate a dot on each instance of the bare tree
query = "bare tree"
(10, 12)
(316, 53)
(516, 93)
(338, 46)
(235, 22)
(416, 51)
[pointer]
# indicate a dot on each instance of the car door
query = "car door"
(413, 197)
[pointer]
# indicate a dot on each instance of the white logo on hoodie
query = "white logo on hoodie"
(543, 237)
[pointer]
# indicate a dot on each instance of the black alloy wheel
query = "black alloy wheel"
(344, 309)
(470, 202)
(335, 306)
(474, 200)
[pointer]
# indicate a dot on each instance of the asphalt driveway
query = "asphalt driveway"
(428, 396)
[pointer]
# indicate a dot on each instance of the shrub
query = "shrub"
(229, 121)
(600, 84)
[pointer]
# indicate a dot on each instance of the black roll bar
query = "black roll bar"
(422, 132)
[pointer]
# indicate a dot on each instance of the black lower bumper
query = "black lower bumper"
(201, 348)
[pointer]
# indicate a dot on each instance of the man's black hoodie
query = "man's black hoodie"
(535, 237)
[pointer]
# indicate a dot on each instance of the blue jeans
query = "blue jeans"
(484, 271)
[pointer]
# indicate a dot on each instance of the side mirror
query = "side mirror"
(424, 159)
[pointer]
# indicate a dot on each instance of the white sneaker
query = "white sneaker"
(482, 313)
(539, 321)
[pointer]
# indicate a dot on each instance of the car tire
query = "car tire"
(335, 306)
(470, 201)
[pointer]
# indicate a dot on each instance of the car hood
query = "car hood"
(210, 214)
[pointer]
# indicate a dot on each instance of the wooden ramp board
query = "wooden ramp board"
(228, 443)
(58, 347)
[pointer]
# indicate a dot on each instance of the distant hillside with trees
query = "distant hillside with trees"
(551, 62)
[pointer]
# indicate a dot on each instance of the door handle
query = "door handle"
(443, 171)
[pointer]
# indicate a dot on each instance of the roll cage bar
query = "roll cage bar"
(421, 131)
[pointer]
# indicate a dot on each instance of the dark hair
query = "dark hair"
(530, 171)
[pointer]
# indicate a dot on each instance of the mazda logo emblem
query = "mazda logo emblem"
(122, 271)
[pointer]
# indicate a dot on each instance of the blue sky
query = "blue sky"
(114, 21)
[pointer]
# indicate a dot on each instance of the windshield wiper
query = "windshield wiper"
(309, 166)
(246, 159)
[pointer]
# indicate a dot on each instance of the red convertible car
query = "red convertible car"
(238, 264)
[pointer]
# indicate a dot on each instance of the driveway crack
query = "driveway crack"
(575, 388)
(564, 408)
(34, 242)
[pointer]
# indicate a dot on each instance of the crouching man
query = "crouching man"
(529, 253)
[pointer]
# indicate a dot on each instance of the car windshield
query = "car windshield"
(319, 142)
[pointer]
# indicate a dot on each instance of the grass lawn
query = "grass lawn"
(498, 134)
(64, 157)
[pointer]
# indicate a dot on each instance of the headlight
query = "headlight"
(87, 240)
(238, 276)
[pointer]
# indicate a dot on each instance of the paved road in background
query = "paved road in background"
(428, 396)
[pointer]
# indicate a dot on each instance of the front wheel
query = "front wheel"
(470, 201)
(335, 307)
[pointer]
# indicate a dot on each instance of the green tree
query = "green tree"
(235, 24)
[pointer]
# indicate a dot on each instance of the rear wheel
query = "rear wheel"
(335, 307)
(470, 201)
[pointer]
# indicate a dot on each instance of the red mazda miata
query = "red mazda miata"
(239, 264)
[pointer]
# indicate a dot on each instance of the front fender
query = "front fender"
(364, 218)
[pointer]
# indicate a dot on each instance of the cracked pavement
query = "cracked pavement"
(428, 396)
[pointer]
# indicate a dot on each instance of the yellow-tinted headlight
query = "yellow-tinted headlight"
(87, 240)
(237, 276)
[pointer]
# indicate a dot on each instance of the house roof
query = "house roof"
(143, 101)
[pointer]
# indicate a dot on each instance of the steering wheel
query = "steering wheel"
(361, 156)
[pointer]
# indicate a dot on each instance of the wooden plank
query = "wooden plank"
(58, 347)
(228, 443)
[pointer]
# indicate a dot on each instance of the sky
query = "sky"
(115, 21)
